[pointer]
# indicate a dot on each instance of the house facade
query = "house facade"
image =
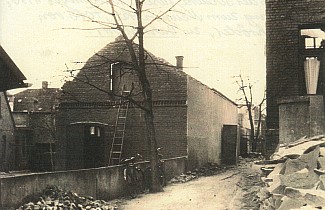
(11, 78)
(7, 129)
(188, 115)
(34, 113)
(295, 69)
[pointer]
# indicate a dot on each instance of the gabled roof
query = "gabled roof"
(97, 71)
(117, 52)
(10, 75)
(37, 100)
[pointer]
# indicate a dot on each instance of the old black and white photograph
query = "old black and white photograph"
(162, 104)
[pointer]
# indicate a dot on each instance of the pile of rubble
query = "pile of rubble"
(208, 170)
(211, 169)
(295, 176)
(54, 198)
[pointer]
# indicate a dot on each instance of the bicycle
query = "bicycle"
(161, 171)
(133, 176)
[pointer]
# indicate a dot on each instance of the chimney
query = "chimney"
(45, 84)
(179, 62)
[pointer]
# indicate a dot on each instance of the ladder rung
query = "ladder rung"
(117, 145)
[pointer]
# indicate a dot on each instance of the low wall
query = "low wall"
(104, 183)
(300, 116)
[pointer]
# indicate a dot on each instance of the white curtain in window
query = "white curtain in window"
(311, 67)
(92, 130)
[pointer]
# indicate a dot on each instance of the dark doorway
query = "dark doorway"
(230, 144)
(94, 146)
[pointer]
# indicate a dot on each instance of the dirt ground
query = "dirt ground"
(235, 188)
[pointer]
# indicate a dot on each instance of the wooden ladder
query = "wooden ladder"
(118, 138)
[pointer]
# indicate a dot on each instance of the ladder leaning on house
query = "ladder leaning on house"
(118, 138)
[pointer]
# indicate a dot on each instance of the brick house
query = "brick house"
(295, 69)
(34, 114)
(11, 78)
(189, 116)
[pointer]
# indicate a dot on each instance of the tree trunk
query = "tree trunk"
(252, 133)
(149, 116)
(152, 146)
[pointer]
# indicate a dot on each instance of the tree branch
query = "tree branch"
(161, 15)
(99, 8)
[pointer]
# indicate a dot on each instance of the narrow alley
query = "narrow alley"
(235, 188)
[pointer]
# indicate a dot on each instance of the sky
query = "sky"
(219, 39)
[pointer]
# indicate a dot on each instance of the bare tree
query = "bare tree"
(131, 33)
(260, 112)
(44, 126)
(246, 89)
(48, 126)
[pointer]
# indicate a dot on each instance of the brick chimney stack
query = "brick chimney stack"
(45, 84)
(179, 62)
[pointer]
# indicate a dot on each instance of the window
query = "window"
(312, 38)
(94, 131)
(312, 44)
(112, 75)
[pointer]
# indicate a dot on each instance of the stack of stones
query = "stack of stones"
(295, 176)
(54, 198)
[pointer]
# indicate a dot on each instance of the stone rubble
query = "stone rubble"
(294, 178)
(209, 170)
(54, 198)
(212, 169)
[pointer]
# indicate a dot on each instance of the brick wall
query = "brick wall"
(185, 110)
(167, 83)
(284, 70)
(84, 103)
(170, 123)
